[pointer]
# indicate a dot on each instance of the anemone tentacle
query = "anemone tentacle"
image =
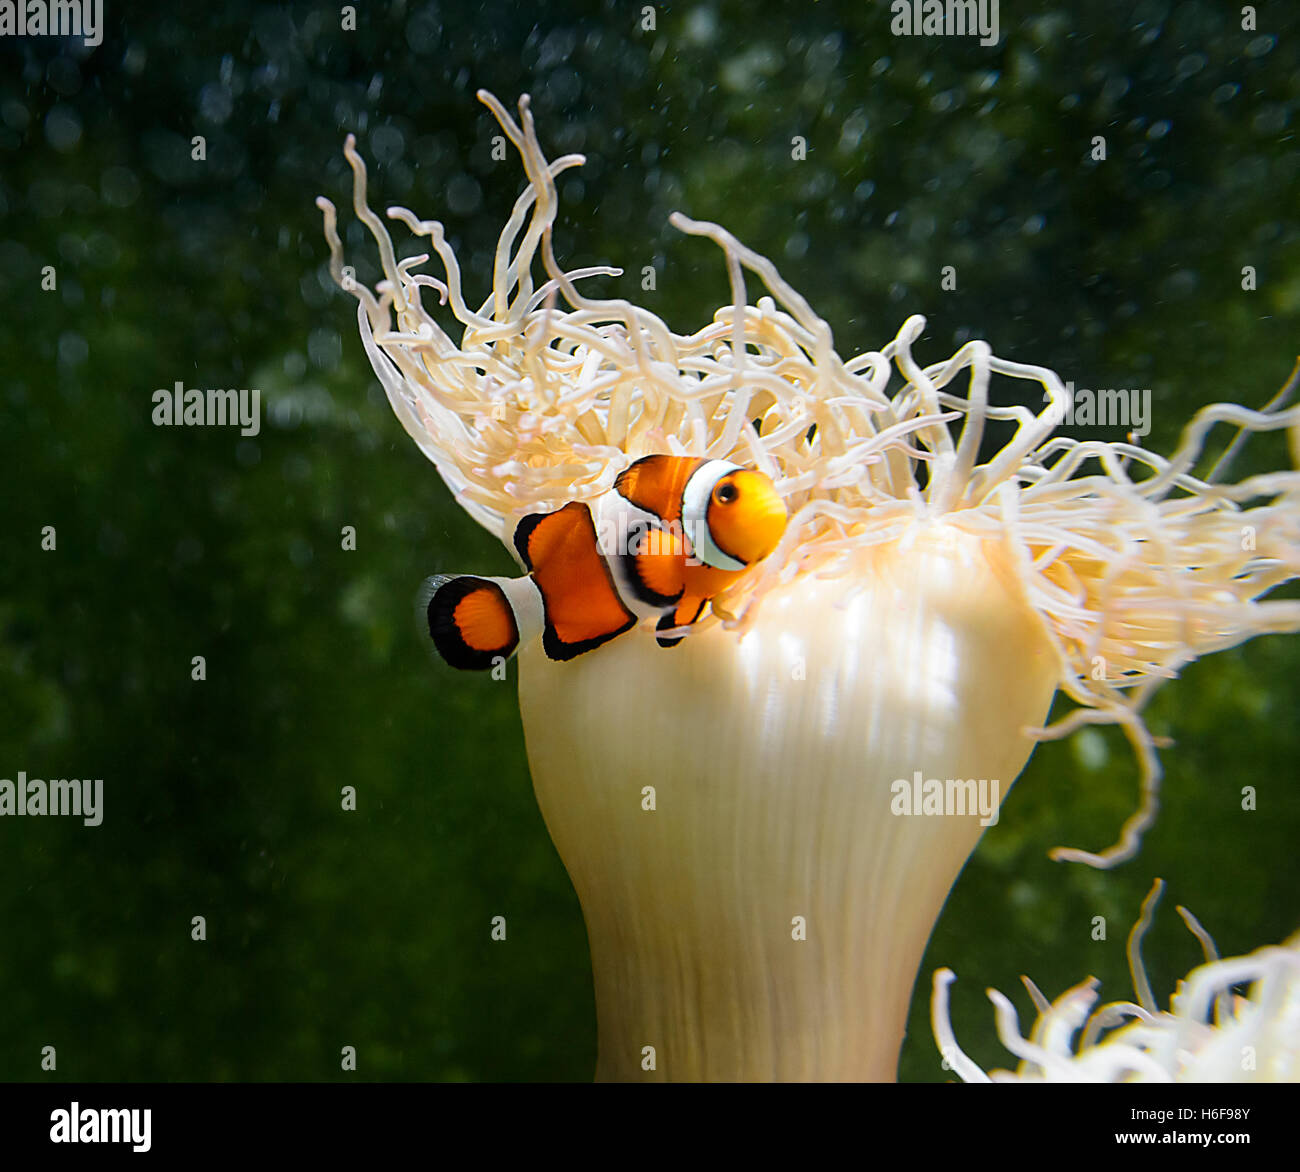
(1210, 1033)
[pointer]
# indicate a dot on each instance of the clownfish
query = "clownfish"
(670, 535)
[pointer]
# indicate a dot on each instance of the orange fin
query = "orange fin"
(658, 567)
(686, 612)
(470, 621)
(583, 609)
(656, 484)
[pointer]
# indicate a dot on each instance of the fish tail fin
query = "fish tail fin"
(476, 623)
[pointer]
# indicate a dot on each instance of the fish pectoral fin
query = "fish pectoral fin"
(658, 565)
(686, 612)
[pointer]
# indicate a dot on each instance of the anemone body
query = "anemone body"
(696, 848)
(926, 601)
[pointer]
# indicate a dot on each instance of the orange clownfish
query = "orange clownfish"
(673, 533)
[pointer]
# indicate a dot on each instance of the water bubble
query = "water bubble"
(189, 550)
(119, 187)
(63, 129)
(563, 86)
(1090, 749)
(824, 55)
(63, 76)
(1271, 118)
(851, 133)
(286, 412)
(1266, 232)
(134, 59)
(73, 349)
(324, 348)
(556, 48)
(1114, 89)
(701, 27)
(1180, 283)
(463, 195)
(72, 247)
(921, 228)
(316, 289)
(14, 114)
(387, 143)
(320, 407)
(424, 30)
(274, 30)
(300, 553)
(216, 103)
(572, 191)
(102, 249)
(112, 541)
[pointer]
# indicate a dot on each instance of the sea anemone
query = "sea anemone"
(743, 816)
(1210, 1033)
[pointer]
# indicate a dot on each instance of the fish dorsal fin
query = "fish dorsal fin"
(656, 484)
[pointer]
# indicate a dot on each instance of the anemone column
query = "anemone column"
(766, 917)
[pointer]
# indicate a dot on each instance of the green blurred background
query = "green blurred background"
(222, 798)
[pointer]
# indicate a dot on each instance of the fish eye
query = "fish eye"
(725, 493)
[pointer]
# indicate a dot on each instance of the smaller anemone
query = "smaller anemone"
(1210, 1033)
